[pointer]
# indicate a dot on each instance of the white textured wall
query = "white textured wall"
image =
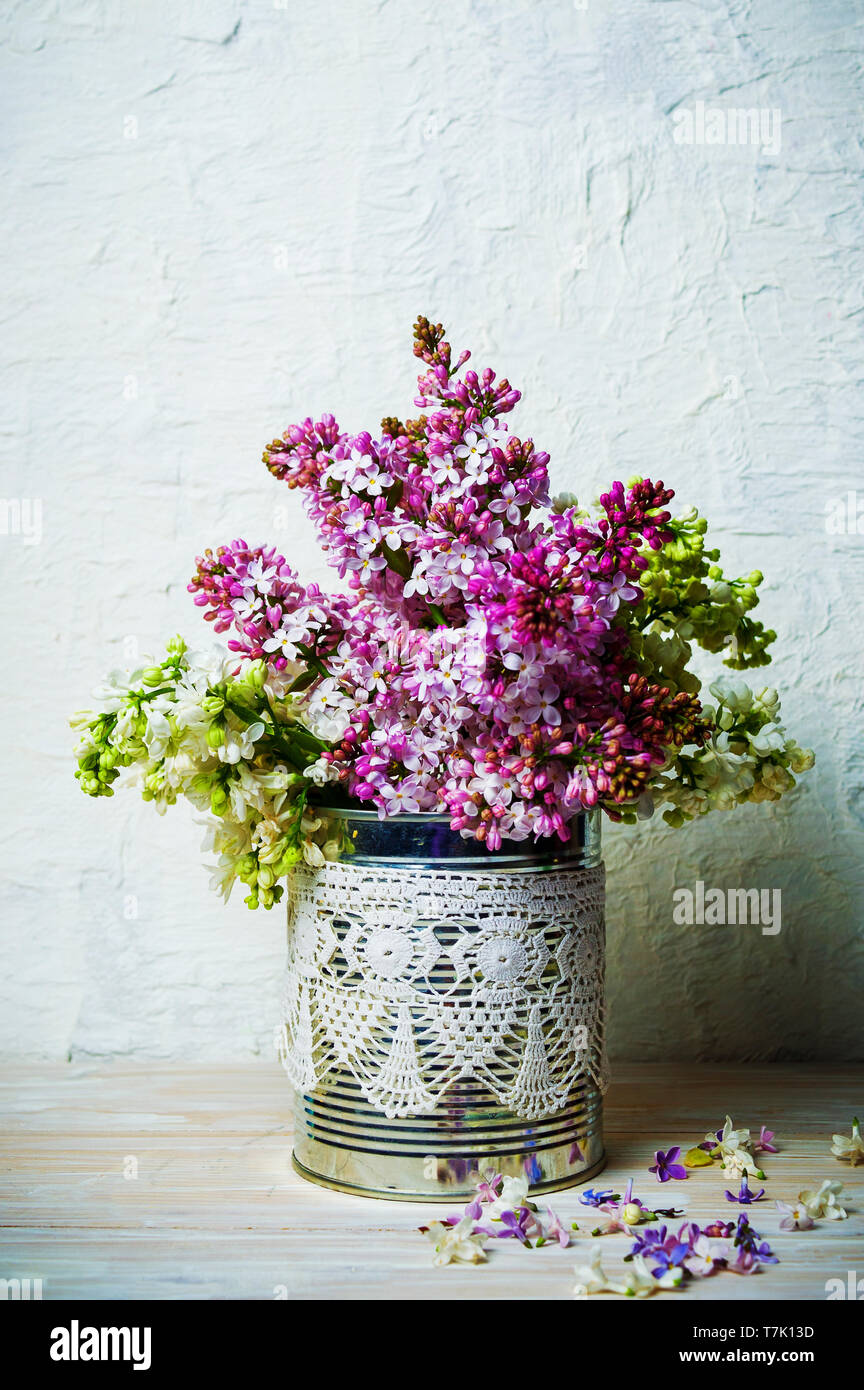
(223, 214)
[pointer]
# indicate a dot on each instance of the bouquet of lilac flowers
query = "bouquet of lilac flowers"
(501, 657)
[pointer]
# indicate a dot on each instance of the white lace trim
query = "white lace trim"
(408, 980)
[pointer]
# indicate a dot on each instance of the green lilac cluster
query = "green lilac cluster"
(106, 748)
(686, 591)
(745, 753)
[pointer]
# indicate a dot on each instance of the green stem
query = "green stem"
(312, 661)
(293, 753)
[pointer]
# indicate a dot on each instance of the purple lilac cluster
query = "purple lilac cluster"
(702, 1251)
(479, 663)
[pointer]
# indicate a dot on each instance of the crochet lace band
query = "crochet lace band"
(403, 981)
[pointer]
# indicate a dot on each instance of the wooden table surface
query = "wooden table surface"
(216, 1211)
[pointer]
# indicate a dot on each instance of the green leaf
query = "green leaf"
(697, 1158)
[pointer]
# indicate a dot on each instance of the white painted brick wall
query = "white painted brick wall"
(223, 215)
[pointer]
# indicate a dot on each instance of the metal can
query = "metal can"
(443, 1014)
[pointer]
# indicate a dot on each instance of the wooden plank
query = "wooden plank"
(216, 1211)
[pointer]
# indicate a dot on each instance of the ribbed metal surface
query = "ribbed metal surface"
(341, 1140)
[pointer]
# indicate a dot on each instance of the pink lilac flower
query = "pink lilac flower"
(489, 1187)
(765, 1142)
(706, 1256)
(795, 1217)
(719, 1230)
(477, 664)
(554, 1229)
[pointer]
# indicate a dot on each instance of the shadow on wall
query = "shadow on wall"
(688, 979)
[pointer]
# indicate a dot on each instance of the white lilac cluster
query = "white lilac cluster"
(748, 756)
(203, 726)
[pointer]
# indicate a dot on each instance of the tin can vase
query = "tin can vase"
(443, 1010)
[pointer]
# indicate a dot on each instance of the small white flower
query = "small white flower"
(794, 1216)
(591, 1278)
(374, 482)
(366, 565)
(639, 1282)
(734, 1151)
(456, 1244)
(736, 695)
(767, 740)
(446, 474)
(417, 584)
(513, 1195)
(399, 798)
(473, 446)
(367, 539)
(313, 855)
(158, 733)
(260, 577)
(392, 537)
(240, 744)
(705, 1255)
(822, 1202)
(321, 772)
(849, 1147)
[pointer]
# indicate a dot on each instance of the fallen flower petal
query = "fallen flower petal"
(849, 1148)
(460, 1244)
(744, 1197)
(666, 1165)
(823, 1201)
(638, 1283)
(752, 1248)
(554, 1229)
(765, 1142)
(512, 1196)
(520, 1224)
(795, 1217)
(733, 1148)
(706, 1257)
(698, 1157)
(590, 1198)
